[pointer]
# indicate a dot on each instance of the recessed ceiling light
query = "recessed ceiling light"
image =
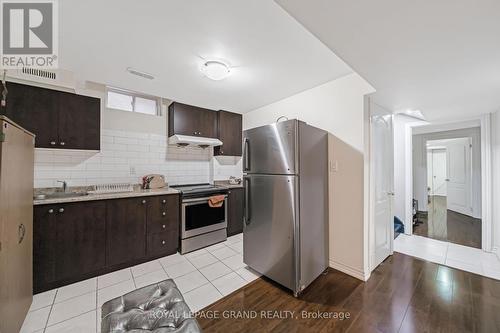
(140, 73)
(215, 70)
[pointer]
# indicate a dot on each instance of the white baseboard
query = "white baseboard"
(496, 251)
(354, 272)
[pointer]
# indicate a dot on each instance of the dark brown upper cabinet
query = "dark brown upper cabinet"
(58, 119)
(230, 133)
(191, 120)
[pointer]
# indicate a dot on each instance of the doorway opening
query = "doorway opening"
(451, 174)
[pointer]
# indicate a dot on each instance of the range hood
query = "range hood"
(188, 140)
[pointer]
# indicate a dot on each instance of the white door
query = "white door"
(458, 160)
(382, 181)
(438, 170)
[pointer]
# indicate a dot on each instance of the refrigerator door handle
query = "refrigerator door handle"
(247, 215)
(246, 155)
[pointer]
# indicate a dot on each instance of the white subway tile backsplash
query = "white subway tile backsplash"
(127, 141)
(125, 157)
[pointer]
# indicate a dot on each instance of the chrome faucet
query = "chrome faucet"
(64, 185)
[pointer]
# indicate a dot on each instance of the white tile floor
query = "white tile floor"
(453, 255)
(203, 277)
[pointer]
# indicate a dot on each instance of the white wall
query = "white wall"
(337, 107)
(420, 164)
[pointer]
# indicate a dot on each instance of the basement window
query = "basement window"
(133, 102)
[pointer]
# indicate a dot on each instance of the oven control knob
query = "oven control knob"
(164, 214)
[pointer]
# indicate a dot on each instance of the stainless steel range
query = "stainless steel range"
(201, 225)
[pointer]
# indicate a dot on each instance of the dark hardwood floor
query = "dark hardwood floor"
(403, 294)
(446, 225)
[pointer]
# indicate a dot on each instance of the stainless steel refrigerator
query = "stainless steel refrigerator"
(285, 233)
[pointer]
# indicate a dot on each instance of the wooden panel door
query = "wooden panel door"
(208, 123)
(230, 133)
(80, 239)
(44, 247)
(16, 225)
(125, 230)
(79, 122)
(191, 120)
(235, 211)
(36, 110)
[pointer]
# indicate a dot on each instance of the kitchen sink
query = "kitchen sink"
(57, 195)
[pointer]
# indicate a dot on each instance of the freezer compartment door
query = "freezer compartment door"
(271, 149)
(270, 219)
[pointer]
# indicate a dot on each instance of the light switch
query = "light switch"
(334, 166)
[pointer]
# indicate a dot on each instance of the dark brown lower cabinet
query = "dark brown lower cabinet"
(235, 210)
(69, 240)
(76, 241)
(126, 230)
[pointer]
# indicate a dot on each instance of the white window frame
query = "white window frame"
(134, 95)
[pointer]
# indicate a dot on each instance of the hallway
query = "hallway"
(449, 226)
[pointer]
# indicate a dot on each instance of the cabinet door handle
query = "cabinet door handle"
(61, 210)
(164, 201)
(164, 214)
(52, 143)
(143, 202)
(163, 226)
(51, 211)
(163, 242)
(62, 143)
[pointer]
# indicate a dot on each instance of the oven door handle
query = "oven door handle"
(197, 200)
(247, 200)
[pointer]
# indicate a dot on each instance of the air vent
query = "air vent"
(40, 73)
(57, 77)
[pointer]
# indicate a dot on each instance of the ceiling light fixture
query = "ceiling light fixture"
(215, 70)
(140, 73)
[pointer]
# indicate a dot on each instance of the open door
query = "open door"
(459, 175)
(382, 155)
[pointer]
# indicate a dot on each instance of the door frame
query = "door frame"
(371, 184)
(486, 175)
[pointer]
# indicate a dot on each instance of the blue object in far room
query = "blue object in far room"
(398, 227)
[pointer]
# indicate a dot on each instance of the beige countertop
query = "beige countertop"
(106, 196)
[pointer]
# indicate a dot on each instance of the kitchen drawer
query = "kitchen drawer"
(163, 213)
(163, 243)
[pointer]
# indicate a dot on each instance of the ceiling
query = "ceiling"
(273, 55)
(440, 57)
